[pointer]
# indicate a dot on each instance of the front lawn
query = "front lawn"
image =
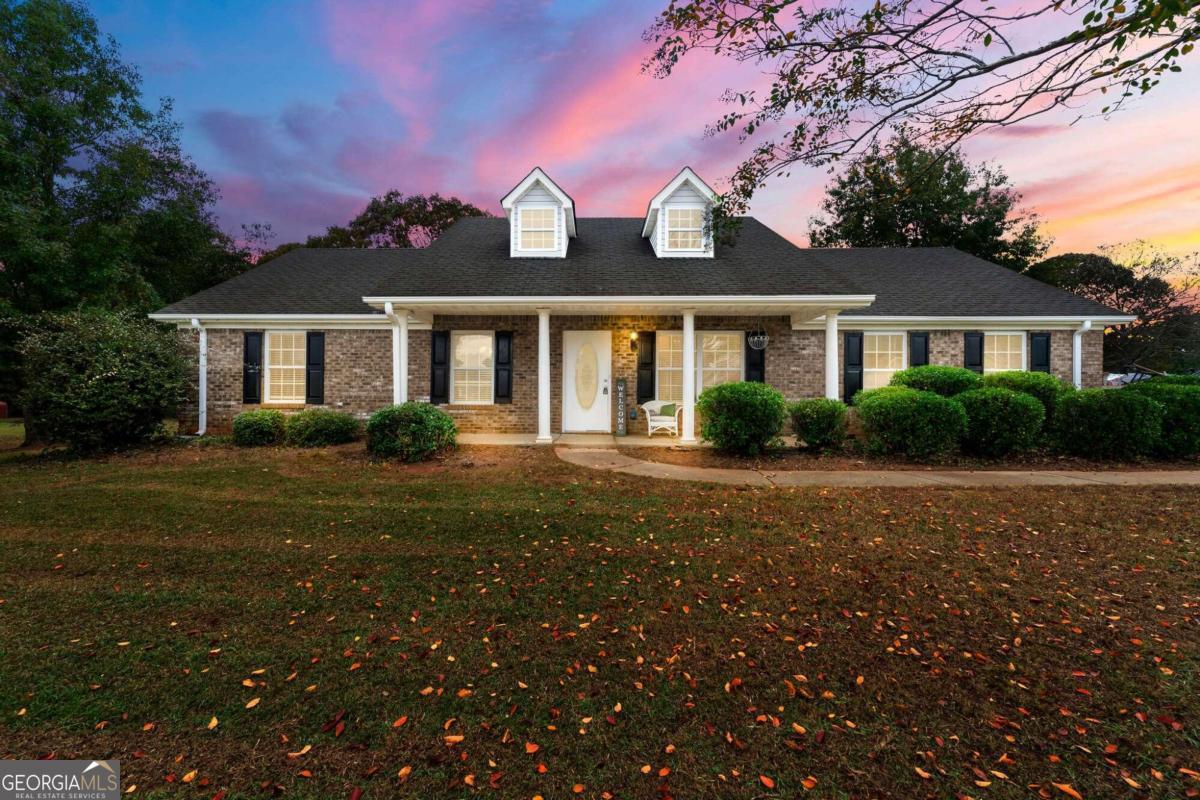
(308, 623)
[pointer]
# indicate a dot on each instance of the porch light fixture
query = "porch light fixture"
(758, 340)
(633, 341)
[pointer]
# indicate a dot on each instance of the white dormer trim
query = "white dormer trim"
(536, 176)
(655, 226)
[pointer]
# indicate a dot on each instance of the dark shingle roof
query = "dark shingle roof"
(302, 281)
(610, 258)
(944, 282)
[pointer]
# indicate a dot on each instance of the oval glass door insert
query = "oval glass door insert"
(587, 369)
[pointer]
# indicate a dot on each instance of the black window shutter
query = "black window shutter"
(1039, 352)
(439, 372)
(252, 362)
(756, 363)
(314, 371)
(504, 367)
(973, 350)
(918, 349)
(852, 377)
(645, 367)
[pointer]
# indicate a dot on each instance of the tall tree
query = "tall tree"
(843, 73)
(99, 207)
(1161, 290)
(904, 194)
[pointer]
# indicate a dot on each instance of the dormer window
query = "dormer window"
(685, 228)
(676, 218)
(537, 228)
(541, 217)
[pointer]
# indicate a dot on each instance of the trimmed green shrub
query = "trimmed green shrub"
(100, 381)
(1000, 420)
(319, 427)
(411, 431)
(1181, 416)
(1042, 385)
(743, 418)
(1108, 423)
(913, 423)
(946, 381)
(258, 428)
(819, 422)
(1178, 380)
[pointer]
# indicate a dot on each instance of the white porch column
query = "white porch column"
(831, 354)
(688, 434)
(543, 376)
(202, 393)
(1077, 354)
(399, 318)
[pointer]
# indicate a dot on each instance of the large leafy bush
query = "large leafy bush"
(910, 422)
(101, 381)
(411, 431)
(819, 422)
(263, 426)
(946, 381)
(1181, 416)
(1000, 421)
(318, 427)
(1108, 423)
(742, 418)
(1041, 385)
(1179, 380)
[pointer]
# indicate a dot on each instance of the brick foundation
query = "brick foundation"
(358, 365)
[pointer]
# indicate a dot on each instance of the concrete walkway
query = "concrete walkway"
(614, 461)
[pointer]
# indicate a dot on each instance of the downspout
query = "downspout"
(390, 312)
(202, 400)
(1077, 353)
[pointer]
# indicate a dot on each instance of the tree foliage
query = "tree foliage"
(99, 206)
(1160, 289)
(392, 219)
(905, 194)
(841, 73)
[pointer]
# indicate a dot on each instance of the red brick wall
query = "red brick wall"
(358, 371)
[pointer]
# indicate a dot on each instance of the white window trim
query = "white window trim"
(491, 401)
(1024, 350)
(666, 223)
(903, 351)
(521, 209)
(696, 366)
(266, 378)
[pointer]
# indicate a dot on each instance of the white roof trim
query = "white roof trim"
(538, 175)
(686, 175)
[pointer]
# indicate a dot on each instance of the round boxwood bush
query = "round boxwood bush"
(1042, 385)
(411, 431)
(1181, 416)
(741, 418)
(819, 422)
(909, 422)
(946, 381)
(319, 427)
(1000, 421)
(1108, 423)
(257, 428)
(100, 381)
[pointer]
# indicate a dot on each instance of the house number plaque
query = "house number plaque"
(620, 406)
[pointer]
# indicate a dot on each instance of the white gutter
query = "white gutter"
(202, 400)
(1077, 353)
(584, 302)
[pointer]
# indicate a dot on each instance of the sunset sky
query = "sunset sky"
(301, 111)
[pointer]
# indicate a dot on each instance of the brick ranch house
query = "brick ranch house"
(526, 323)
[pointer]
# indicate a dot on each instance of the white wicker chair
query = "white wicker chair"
(657, 421)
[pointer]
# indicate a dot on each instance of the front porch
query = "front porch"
(542, 387)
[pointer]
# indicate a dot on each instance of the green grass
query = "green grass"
(999, 637)
(12, 433)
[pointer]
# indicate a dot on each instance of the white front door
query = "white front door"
(587, 373)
